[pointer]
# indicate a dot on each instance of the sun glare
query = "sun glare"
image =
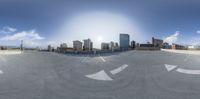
(99, 38)
(99, 27)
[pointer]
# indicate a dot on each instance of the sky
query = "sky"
(43, 22)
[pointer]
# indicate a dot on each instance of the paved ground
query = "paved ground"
(10, 52)
(193, 52)
(138, 75)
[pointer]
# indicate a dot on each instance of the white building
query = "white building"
(77, 45)
(193, 47)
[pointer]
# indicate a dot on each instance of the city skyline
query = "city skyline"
(40, 23)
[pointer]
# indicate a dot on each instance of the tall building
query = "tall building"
(137, 45)
(124, 41)
(111, 45)
(133, 44)
(157, 42)
(105, 46)
(49, 48)
(91, 46)
(88, 45)
(77, 45)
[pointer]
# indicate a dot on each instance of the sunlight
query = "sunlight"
(99, 38)
(99, 27)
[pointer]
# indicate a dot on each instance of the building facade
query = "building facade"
(116, 45)
(132, 44)
(177, 46)
(111, 45)
(77, 45)
(157, 42)
(105, 46)
(193, 47)
(50, 48)
(88, 45)
(166, 45)
(124, 41)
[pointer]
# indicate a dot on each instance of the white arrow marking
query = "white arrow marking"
(186, 71)
(102, 58)
(170, 67)
(101, 75)
(1, 72)
(119, 69)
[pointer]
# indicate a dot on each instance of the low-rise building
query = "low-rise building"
(63, 45)
(147, 47)
(193, 47)
(177, 46)
(166, 46)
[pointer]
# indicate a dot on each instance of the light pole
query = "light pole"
(21, 47)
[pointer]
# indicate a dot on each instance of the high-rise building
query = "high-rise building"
(157, 42)
(91, 46)
(111, 45)
(137, 45)
(133, 44)
(49, 48)
(105, 46)
(124, 41)
(88, 45)
(77, 45)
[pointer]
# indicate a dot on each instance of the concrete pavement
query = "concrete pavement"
(138, 75)
(9, 52)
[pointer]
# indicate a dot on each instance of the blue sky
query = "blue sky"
(42, 22)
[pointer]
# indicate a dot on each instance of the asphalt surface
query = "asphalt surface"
(48, 75)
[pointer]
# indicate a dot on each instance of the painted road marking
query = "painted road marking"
(119, 69)
(186, 71)
(170, 67)
(102, 58)
(1, 72)
(181, 70)
(101, 75)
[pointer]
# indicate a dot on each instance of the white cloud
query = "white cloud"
(7, 30)
(30, 38)
(198, 31)
(24, 35)
(172, 38)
